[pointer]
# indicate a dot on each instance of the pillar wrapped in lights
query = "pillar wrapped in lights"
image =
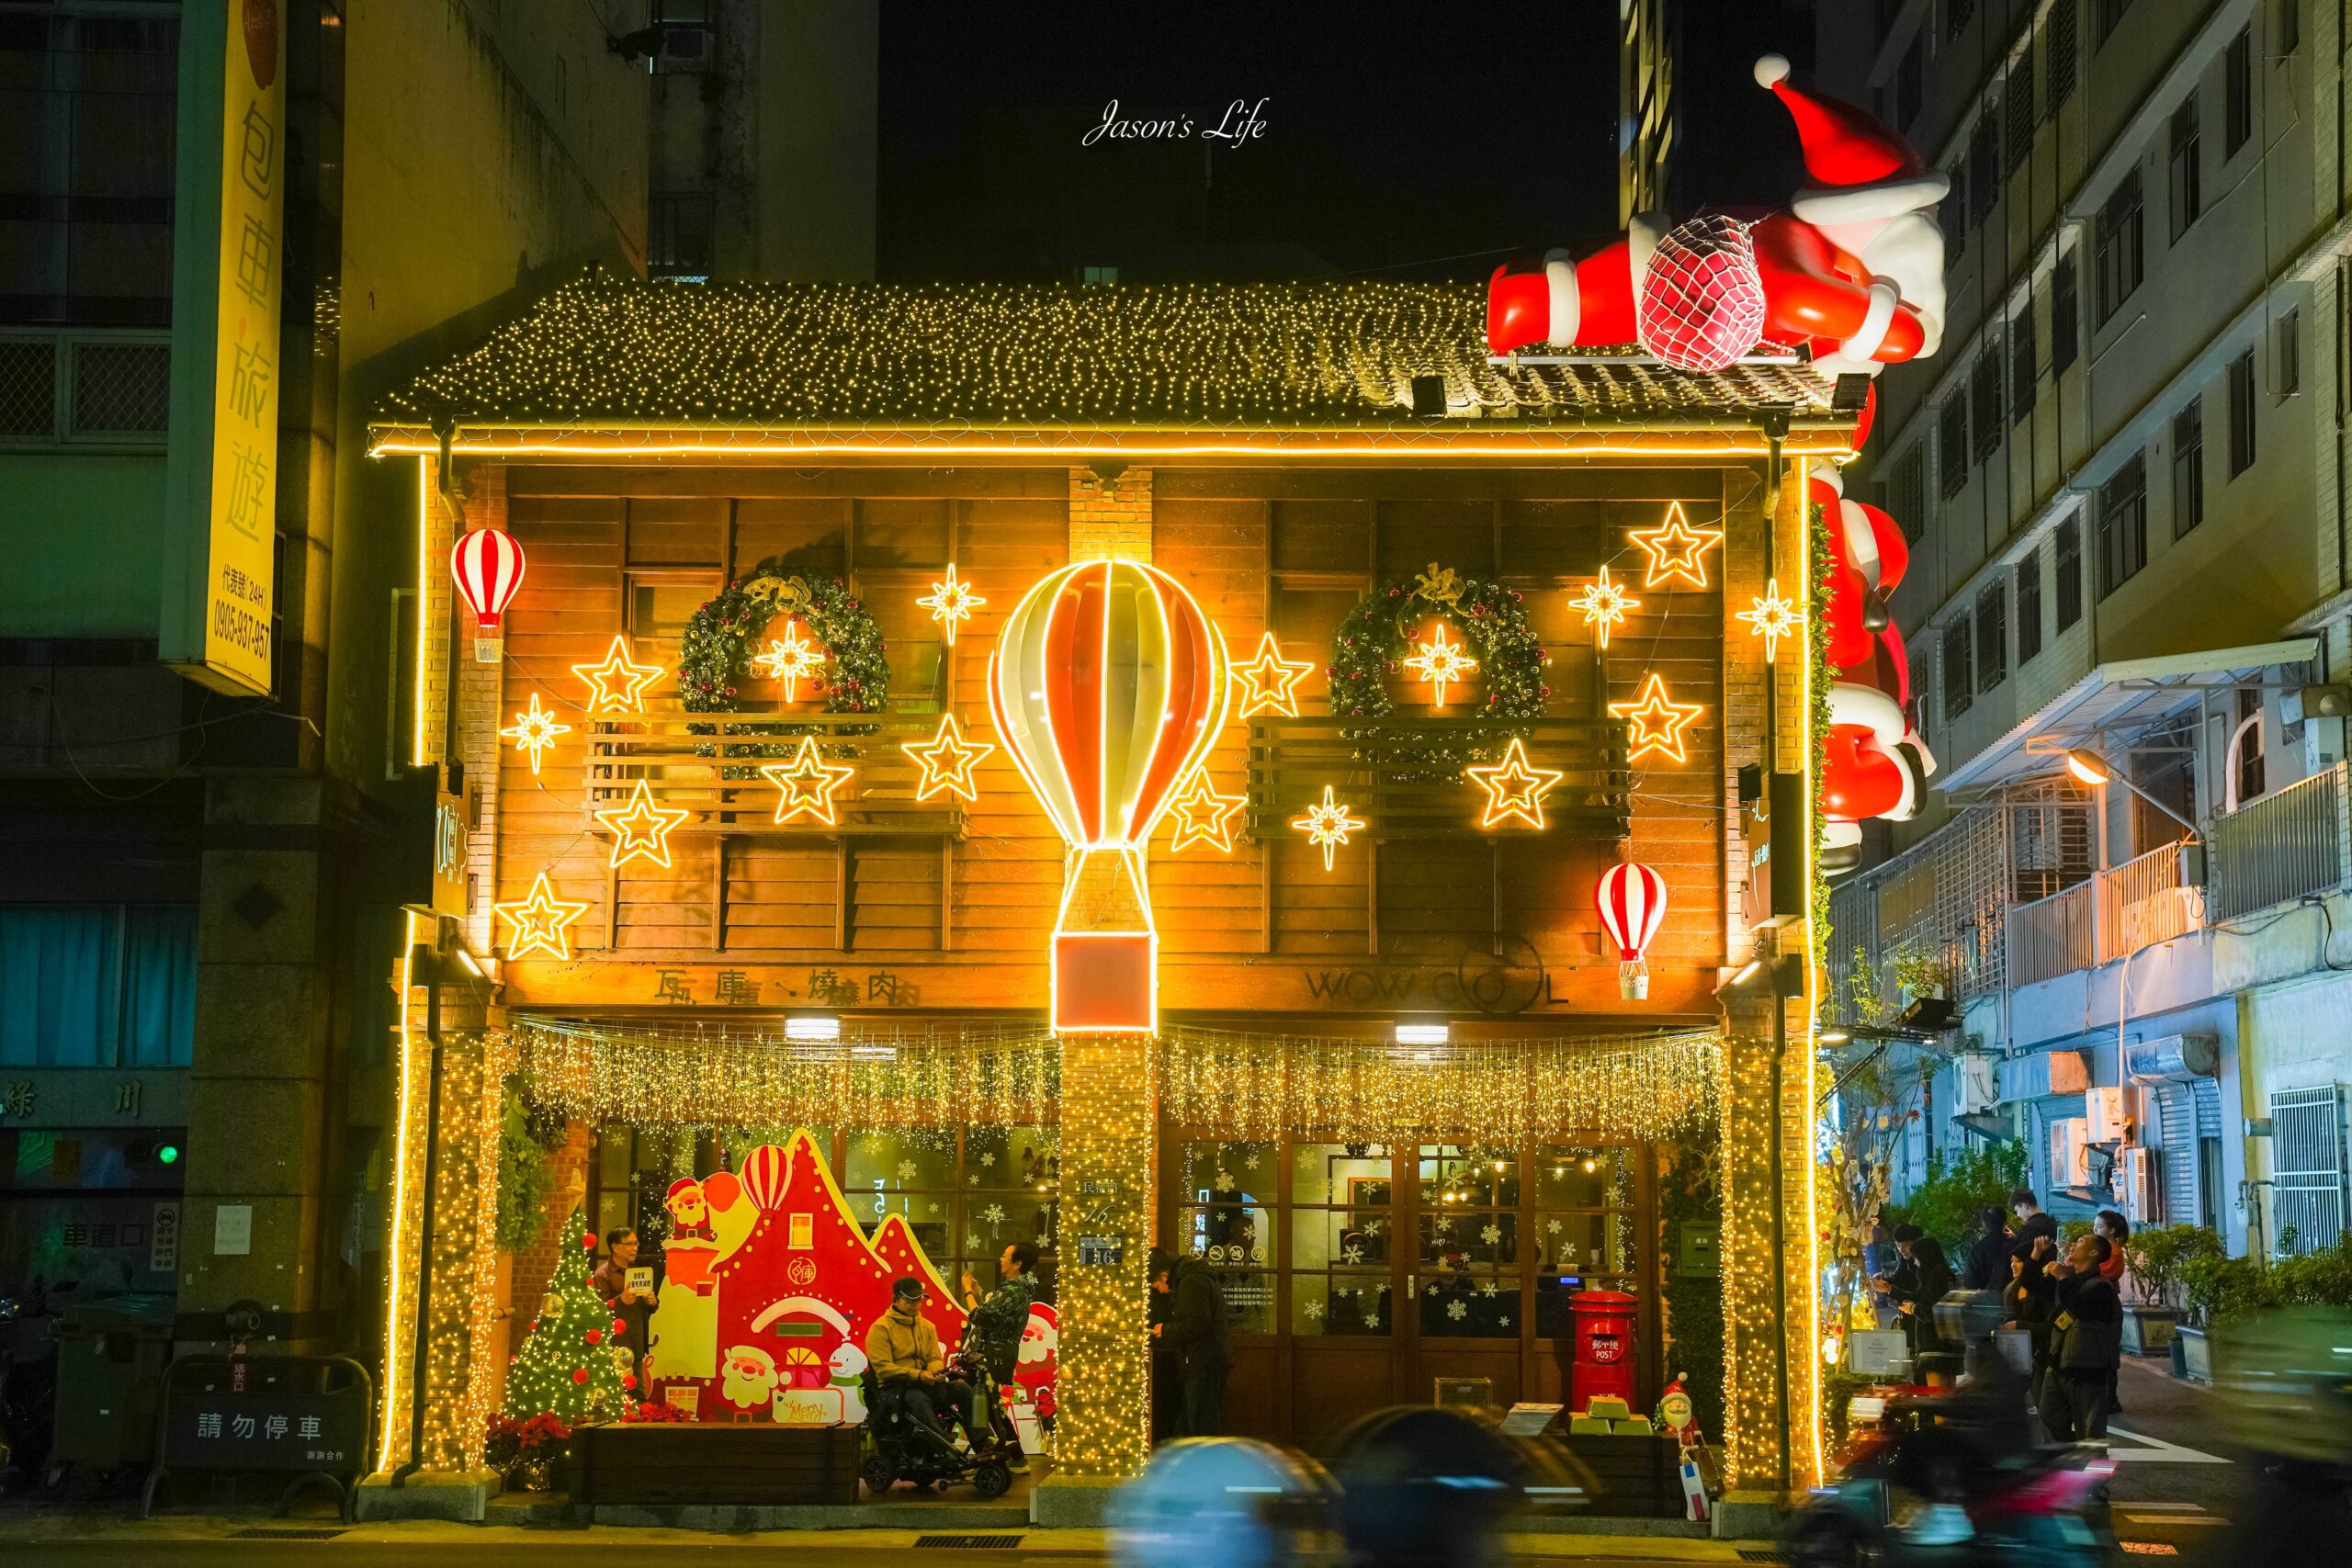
(488, 566)
(1108, 685)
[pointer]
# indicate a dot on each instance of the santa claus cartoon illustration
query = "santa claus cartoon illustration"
(747, 1382)
(1852, 271)
(689, 1211)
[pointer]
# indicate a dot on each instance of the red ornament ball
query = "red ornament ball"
(589, 1242)
(579, 1374)
(594, 1337)
(628, 1381)
(619, 1326)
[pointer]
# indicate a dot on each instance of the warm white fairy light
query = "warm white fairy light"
(1440, 662)
(1326, 825)
(951, 604)
(533, 731)
(792, 659)
(1772, 617)
(1604, 605)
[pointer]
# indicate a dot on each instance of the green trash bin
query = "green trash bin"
(111, 1352)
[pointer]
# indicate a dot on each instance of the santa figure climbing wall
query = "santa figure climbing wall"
(767, 1322)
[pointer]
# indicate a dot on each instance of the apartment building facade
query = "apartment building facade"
(2122, 480)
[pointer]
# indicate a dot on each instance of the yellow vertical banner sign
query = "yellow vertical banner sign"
(228, 258)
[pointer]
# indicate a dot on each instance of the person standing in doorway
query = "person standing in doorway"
(1167, 1361)
(1196, 1328)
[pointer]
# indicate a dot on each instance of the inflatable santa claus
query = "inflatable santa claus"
(1876, 765)
(1851, 273)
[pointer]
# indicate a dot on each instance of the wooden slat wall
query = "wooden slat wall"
(1292, 548)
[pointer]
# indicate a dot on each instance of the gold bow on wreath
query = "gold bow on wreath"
(788, 594)
(1438, 585)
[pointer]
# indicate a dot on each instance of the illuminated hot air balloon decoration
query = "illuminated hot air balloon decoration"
(1108, 685)
(1633, 901)
(488, 566)
(768, 1176)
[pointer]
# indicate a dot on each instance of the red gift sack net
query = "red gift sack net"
(1701, 303)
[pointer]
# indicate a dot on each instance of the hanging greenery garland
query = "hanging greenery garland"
(1372, 643)
(716, 650)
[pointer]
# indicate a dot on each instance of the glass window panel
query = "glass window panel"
(1575, 1243)
(1249, 1300)
(1472, 1177)
(889, 1162)
(1461, 1305)
(1338, 1238)
(1578, 1176)
(1230, 1173)
(1553, 1319)
(1340, 1304)
(1478, 1237)
(930, 1215)
(1001, 1159)
(1352, 1173)
(1228, 1234)
(991, 1222)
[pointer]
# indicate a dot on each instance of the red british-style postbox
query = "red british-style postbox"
(1604, 1347)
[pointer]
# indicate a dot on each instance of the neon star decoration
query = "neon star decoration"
(1515, 790)
(619, 683)
(793, 661)
(1657, 720)
(1676, 549)
(809, 784)
(1270, 682)
(1326, 825)
(951, 602)
(1202, 816)
(1440, 662)
(1604, 605)
(641, 829)
(1772, 617)
(542, 922)
(946, 760)
(533, 730)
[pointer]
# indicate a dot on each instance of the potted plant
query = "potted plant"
(2157, 1254)
(529, 1455)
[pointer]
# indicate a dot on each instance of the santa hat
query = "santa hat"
(1858, 168)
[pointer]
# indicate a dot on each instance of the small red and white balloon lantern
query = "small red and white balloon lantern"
(488, 566)
(1632, 899)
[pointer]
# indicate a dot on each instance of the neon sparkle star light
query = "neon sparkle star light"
(641, 829)
(792, 661)
(619, 683)
(1604, 605)
(533, 730)
(1202, 816)
(950, 604)
(1327, 824)
(1515, 789)
(1772, 617)
(1440, 662)
(1658, 721)
(542, 922)
(1676, 549)
(1270, 682)
(809, 784)
(946, 760)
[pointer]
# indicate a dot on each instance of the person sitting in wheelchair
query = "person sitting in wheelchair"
(903, 1351)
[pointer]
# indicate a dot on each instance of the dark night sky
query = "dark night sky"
(1402, 140)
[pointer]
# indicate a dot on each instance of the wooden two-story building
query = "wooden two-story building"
(743, 848)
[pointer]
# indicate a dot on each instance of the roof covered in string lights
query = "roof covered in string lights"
(608, 353)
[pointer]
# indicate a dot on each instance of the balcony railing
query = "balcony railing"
(2122, 909)
(2054, 936)
(2282, 846)
(1405, 776)
(708, 764)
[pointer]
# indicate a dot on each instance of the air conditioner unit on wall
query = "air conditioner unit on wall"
(1977, 1075)
(2138, 1176)
(2070, 1152)
(2112, 1114)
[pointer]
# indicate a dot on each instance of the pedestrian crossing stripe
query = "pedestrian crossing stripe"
(2155, 1450)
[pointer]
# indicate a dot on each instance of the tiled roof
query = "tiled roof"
(609, 352)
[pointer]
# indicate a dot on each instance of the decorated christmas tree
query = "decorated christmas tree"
(573, 1362)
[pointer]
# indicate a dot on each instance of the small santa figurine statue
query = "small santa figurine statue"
(1674, 1413)
(1852, 270)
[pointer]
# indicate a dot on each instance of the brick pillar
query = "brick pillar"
(1110, 513)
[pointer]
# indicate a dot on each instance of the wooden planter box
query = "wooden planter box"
(688, 1463)
(2197, 1354)
(1634, 1477)
(2148, 1330)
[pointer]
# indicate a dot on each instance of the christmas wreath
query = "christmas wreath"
(714, 653)
(1370, 647)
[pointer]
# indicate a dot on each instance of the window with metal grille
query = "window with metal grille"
(121, 388)
(2242, 414)
(28, 387)
(2029, 585)
(2237, 94)
(2058, 54)
(2024, 373)
(2065, 315)
(2189, 466)
(1984, 161)
(2109, 17)
(1906, 491)
(2286, 352)
(1952, 444)
(1952, 214)
(2124, 525)
(2021, 130)
(1992, 636)
(2119, 249)
(98, 387)
(1959, 678)
(2188, 188)
(1984, 398)
(2308, 1169)
(2069, 550)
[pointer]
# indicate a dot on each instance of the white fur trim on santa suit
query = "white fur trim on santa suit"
(1828, 474)
(1772, 70)
(1867, 708)
(1566, 299)
(1838, 835)
(1862, 541)
(1824, 205)
(1884, 297)
(1642, 236)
